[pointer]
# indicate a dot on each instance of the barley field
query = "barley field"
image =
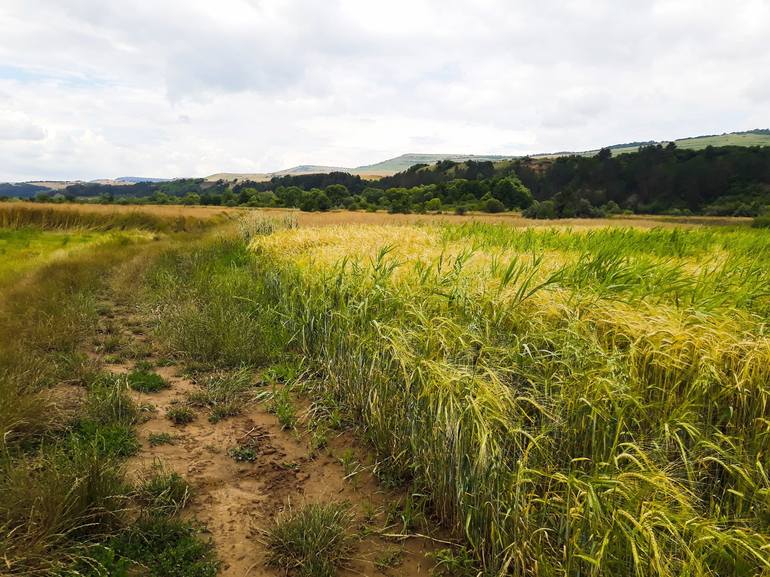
(575, 402)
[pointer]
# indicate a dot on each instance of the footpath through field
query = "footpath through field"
(237, 500)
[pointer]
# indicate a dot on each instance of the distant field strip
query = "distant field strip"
(22, 250)
(97, 217)
(574, 402)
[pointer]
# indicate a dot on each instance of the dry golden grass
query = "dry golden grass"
(154, 209)
(341, 217)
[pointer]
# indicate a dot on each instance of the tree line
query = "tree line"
(730, 180)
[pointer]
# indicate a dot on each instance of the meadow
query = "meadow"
(572, 400)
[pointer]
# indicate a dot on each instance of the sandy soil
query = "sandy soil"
(236, 501)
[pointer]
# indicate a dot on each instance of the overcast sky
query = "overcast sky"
(106, 88)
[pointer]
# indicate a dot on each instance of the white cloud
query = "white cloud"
(94, 89)
(17, 126)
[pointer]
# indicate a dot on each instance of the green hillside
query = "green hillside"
(748, 138)
(403, 162)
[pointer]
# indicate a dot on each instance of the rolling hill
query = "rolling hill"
(758, 137)
(379, 169)
(391, 166)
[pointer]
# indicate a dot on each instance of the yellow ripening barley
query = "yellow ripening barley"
(573, 403)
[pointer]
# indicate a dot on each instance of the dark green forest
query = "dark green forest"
(720, 181)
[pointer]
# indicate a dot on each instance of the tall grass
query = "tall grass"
(65, 430)
(206, 307)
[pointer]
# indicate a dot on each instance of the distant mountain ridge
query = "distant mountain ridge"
(135, 179)
(384, 168)
(391, 166)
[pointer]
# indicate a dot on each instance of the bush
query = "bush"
(493, 205)
(762, 221)
(433, 205)
(541, 210)
(611, 207)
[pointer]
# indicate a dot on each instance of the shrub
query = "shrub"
(762, 221)
(243, 453)
(433, 205)
(493, 205)
(541, 210)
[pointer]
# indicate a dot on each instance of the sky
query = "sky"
(170, 88)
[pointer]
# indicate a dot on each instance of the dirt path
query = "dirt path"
(236, 500)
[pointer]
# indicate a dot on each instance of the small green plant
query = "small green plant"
(319, 438)
(390, 473)
(158, 439)
(283, 408)
(146, 381)
(100, 561)
(109, 439)
(349, 462)
(457, 562)
(180, 415)
(283, 373)
(409, 513)
(369, 513)
(108, 401)
(139, 350)
(109, 344)
(243, 453)
(313, 541)
(143, 365)
(222, 411)
(161, 491)
(389, 558)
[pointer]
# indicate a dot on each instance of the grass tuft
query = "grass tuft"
(180, 415)
(145, 381)
(314, 540)
(158, 439)
(162, 492)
